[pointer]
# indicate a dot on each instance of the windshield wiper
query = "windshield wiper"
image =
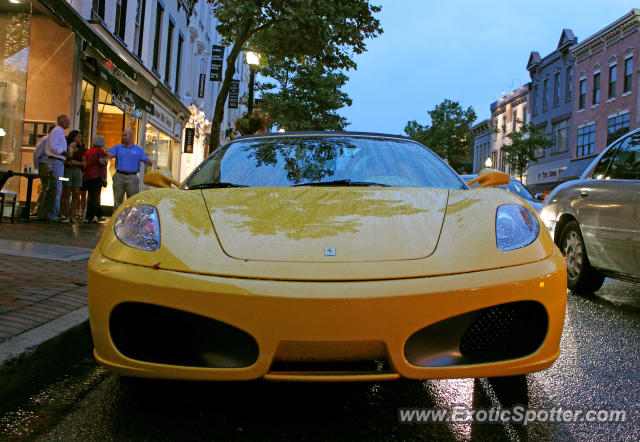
(215, 186)
(346, 182)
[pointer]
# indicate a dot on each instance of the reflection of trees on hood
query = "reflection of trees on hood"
(303, 159)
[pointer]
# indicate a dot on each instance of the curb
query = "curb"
(40, 352)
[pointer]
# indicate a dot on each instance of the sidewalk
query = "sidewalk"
(37, 290)
(43, 297)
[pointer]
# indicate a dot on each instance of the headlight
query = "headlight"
(516, 227)
(138, 227)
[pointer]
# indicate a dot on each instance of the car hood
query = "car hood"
(319, 224)
(282, 233)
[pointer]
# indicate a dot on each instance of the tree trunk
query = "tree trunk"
(218, 114)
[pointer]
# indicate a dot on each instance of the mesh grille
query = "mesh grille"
(505, 331)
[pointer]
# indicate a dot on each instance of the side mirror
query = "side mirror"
(490, 178)
(157, 179)
(541, 196)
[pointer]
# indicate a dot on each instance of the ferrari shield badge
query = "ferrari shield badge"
(329, 251)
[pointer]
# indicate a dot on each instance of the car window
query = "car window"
(307, 160)
(626, 162)
(600, 171)
(519, 189)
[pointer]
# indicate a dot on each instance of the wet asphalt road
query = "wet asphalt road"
(598, 369)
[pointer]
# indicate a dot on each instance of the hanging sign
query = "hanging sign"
(189, 133)
(201, 84)
(234, 91)
(217, 56)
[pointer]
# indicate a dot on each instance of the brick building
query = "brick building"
(508, 114)
(606, 89)
(552, 96)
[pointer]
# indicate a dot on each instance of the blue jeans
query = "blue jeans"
(50, 208)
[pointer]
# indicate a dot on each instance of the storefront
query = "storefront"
(107, 108)
(36, 76)
(54, 62)
(161, 147)
(43, 75)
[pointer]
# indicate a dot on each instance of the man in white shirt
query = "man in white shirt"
(55, 151)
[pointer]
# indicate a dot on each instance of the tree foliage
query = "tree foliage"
(305, 96)
(327, 31)
(449, 134)
(522, 150)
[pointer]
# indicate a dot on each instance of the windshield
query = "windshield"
(323, 160)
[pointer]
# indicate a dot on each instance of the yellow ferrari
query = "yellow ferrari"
(326, 257)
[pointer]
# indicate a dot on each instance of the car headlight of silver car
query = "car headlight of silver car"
(516, 227)
(138, 227)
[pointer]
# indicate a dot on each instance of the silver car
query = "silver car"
(595, 220)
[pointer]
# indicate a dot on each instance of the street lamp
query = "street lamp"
(488, 163)
(253, 60)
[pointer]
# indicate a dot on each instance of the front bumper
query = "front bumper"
(320, 321)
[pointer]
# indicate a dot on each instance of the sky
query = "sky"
(472, 52)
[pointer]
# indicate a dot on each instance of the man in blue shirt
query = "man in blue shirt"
(128, 158)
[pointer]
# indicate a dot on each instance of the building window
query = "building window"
(617, 127)
(545, 95)
(628, 67)
(98, 9)
(515, 119)
(156, 43)
(612, 82)
(596, 88)
(583, 93)
(121, 18)
(534, 105)
(524, 115)
(167, 66)
(556, 89)
(139, 29)
(178, 63)
(560, 131)
(586, 140)
(568, 94)
(85, 123)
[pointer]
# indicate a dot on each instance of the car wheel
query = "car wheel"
(581, 277)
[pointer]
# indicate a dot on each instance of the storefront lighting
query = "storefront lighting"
(2, 132)
(488, 162)
(281, 129)
(14, 2)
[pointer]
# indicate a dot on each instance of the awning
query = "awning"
(575, 169)
(124, 95)
(70, 16)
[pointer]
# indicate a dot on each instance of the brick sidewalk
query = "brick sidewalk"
(35, 291)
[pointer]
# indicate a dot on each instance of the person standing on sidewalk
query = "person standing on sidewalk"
(55, 151)
(128, 158)
(39, 157)
(94, 178)
(73, 173)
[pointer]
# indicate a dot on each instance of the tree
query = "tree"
(328, 31)
(305, 97)
(522, 150)
(449, 134)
